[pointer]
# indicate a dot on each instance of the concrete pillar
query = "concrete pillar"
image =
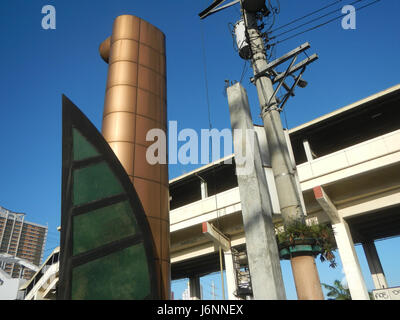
(262, 249)
(308, 151)
(195, 288)
(204, 189)
(374, 263)
(21, 272)
(351, 265)
(306, 278)
(230, 273)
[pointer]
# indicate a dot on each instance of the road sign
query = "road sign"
(387, 294)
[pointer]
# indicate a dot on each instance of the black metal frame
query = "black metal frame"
(74, 118)
(215, 7)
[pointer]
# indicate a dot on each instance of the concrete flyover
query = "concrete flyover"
(348, 164)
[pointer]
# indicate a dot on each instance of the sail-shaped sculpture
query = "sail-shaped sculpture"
(107, 251)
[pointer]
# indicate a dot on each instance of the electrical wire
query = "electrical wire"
(205, 76)
(311, 21)
(272, 24)
(272, 53)
(245, 69)
(231, 28)
(285, 116)
(275, 11)
(306, 16)
(211, 154)
(323, 24)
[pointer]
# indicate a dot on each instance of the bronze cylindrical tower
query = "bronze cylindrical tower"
(135, 102)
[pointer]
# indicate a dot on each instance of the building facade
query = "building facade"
(22, 239)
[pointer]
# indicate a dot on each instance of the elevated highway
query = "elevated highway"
(348, 164)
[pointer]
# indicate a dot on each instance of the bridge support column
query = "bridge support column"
(344, 241)
(351, 265)
(230, 275)
(374, 263)
(195, 288)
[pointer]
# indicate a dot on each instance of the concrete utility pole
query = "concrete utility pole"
(281, 165)
(305, 272)
(262, 249)
(304, 268)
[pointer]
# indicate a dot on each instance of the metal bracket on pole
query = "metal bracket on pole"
(213, 8)
(297, 67)
(283, 80)
(281, 60)
(281, 77)
(291, 91)
(274, 73)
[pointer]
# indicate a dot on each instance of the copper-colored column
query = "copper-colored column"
(306, 277)
(135, 102)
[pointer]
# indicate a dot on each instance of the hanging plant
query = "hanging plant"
(316, 239)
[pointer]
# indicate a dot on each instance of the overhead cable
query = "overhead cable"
(306, 16)
(322, 24)
(311, 21)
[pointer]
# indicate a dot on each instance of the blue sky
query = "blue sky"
(39, 65)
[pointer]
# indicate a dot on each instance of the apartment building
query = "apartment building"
(22, 239)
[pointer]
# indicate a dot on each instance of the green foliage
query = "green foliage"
(337, 291)
(321, 233)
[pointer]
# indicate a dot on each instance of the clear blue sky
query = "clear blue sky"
(39, 65)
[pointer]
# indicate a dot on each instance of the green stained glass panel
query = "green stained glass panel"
(82, 149)
(94, 182)
(122, 275)
(102, 226)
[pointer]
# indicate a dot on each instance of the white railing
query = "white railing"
(43, 284)
(229, 201)
(352, 156)
(208, 205)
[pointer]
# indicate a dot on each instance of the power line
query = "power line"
(275, 10)
(311, 21)
(323, 24)
(306, 16)
(245, 69)
(205, 76)
(211, 154)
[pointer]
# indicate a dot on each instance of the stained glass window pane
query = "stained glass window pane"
(102, 226)
(122, 275)
(94, 182)
(82, 149)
